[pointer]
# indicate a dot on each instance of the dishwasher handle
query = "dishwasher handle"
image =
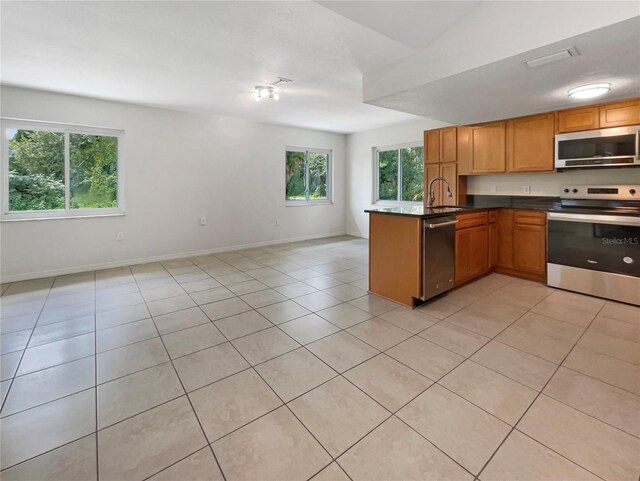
(440, 224)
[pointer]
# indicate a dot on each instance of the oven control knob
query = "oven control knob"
(632, 191)
(628, 260)
(566, 191)
(575, 191)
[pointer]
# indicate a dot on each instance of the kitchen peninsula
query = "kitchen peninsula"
(419, 252)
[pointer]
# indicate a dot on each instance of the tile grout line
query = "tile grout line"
(252, 367)
(540, 393)
(343, 302)
(341, 375)
(95, 371)
(24, 351)
(187, 398)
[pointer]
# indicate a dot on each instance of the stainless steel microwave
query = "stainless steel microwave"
(614, 147)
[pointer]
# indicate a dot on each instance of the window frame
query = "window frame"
(307, 200)
(376, 175)
(67, 129)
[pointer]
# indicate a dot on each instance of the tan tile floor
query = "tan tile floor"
(275, 364)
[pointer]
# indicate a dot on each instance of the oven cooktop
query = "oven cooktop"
(623, 200)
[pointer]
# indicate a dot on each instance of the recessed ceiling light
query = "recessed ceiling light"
(589, 91)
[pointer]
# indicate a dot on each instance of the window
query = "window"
(307, 176)
(55, 170)
(400, 173)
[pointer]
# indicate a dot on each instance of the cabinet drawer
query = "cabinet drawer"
(529, 217)
(471, 220)
(493, 216)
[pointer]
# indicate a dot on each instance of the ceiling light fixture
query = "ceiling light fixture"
(589, 91)
(269, 91)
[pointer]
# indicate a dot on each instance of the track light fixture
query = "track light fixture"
(269, 91)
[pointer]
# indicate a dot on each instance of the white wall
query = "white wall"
(178, 167)
(548, 184)
(359, 181)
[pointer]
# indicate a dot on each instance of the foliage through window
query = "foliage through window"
(307, 174)
(400, 174)
(53, 170)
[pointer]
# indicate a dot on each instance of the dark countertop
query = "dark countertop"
(475, 203)
(417, 211)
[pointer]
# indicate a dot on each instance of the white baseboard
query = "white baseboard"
(143, 260)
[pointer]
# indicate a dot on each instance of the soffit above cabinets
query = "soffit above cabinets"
(507, 88)
(412, 23)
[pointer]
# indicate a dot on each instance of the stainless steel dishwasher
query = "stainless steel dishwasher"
(438, 255)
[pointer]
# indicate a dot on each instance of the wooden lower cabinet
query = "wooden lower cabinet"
(395, 257)
(530, 248)
(472, 247)
(505, 238)
(522, 243)
(493, 245)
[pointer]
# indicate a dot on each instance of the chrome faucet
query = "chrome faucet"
(431, 196)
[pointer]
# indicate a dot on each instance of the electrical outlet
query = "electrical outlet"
(277, 222)
(119, 236)
(494, 189)
(203, 221)
(526, 189)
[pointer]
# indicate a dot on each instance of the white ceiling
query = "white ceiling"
(508, 88)
(413, 23)
(202, 56)
(456, 61)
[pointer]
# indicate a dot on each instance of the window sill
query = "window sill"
(17, 218)
(302, 203)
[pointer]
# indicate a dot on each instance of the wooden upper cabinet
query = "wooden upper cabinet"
(432, 146)
(487, 148)
(448, 145)
(619, 114)
(431, 171)
(449, 172)
(530, 143)
(440, 145)
(574, 120)
(463, 134)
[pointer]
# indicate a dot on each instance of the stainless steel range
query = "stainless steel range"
(594, 241)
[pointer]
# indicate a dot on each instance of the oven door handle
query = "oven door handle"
(595, 219)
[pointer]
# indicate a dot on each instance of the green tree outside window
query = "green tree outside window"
(306, 175)
(37, 170)
(401, 174)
